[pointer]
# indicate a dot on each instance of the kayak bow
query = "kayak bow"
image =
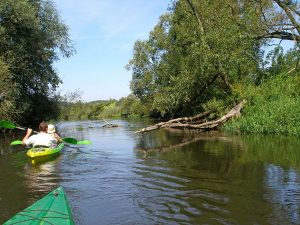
(51, 209)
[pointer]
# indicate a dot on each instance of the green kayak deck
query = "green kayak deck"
(51, 209)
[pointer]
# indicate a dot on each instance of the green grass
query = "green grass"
(272, 108)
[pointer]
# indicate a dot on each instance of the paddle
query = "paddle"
(10, 125)
(84, 142)
(17, 142)
(75, 142)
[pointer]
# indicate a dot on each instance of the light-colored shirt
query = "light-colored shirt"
(43, 139)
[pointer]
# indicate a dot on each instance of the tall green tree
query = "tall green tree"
(189, 58)
(32, 38)
(200, 49)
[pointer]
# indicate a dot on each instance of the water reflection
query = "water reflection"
(41, 178)
(212, 179)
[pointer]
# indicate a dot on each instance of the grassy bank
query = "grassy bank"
(272, 108)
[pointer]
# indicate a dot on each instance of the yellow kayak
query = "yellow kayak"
(41, 152)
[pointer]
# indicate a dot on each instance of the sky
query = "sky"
(103, 33)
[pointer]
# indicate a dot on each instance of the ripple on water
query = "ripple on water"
(170, 196)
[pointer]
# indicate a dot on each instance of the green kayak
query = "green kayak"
(51, 209)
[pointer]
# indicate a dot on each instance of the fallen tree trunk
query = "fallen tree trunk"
(187, 122)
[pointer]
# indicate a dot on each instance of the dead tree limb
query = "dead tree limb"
(186, 122)
(173, 121)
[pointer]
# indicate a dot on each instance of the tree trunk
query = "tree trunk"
(187, 122)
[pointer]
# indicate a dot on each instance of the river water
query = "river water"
(162, 177)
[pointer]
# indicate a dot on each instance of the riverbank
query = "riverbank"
(273, 107)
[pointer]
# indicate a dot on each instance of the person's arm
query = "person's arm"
(29, 132)
(58, 138)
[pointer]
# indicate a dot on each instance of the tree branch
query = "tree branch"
(281, 35)
(176, 123)
(288, 11)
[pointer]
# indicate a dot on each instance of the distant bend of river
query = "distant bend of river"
(161, 177)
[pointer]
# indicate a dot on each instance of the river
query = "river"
(162, 177)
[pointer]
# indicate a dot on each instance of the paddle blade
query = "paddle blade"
(7, 124)
(84, 142)
(70, 140)
(17, 142)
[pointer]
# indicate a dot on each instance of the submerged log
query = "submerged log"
(110, 125)
(187, 122)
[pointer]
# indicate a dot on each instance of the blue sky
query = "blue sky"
(103, 33)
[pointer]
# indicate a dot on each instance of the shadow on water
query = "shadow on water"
(162, 177)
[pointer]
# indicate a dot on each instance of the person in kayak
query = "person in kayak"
(51, 130)
(42, 139)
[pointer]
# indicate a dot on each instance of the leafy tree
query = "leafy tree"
(200, 49)
(189, 58)
(32, 37)
(281, 62)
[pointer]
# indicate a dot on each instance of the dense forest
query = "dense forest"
(201, 56)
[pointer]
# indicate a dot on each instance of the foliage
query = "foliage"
(273, 107)
(189, 59)
(200, 49)
(128, 106)
(208, 55)
(32, 37)
(217, 107)
(281, 62)
(9, 109)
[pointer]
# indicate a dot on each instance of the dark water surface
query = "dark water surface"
(163, 177)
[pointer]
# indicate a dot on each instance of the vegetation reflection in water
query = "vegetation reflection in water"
(162, 177)
(222, 179)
